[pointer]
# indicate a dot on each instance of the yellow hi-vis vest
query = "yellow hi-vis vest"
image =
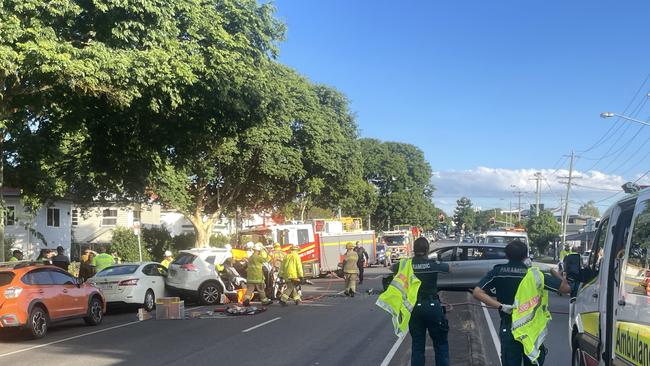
(530, 314)
(400, 297)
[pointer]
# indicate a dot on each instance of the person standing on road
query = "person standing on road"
(255, 277)
(102, 260)
(277, 256)
(363, 259)
(350, 270)
(292, 274)
(60, 259)
(413, 302)
(85, 265)
(572, 267)
(516, 287)
(169, 258)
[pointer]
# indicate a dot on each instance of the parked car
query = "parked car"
(193, 274)
(35, 295)
(132, 283)
(468, 263)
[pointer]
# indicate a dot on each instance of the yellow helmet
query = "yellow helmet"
(276, 246)
(295, 247)
(349, 246)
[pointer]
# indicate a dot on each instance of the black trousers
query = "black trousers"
(360, 266)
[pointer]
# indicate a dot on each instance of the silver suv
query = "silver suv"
(468, 263)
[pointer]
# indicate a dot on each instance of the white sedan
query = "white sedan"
(132, 283)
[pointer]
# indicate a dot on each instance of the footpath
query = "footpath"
(470, 341)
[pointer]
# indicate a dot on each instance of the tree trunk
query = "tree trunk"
(202, 237)
(202, 230)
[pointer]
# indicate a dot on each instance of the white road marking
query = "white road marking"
(67, 339)
(260, 325)
(495, 335)
(393, 350)
(315, 305)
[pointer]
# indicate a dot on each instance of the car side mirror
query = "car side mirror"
(433, 256)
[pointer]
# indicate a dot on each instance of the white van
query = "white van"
(610, 320)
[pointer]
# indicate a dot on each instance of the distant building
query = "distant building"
(95, 224)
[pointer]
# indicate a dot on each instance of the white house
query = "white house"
(27, 231)
(95, 225)
(177, 224)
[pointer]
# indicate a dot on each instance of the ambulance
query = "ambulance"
(610, 319)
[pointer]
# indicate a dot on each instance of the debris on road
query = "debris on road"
(170, 308)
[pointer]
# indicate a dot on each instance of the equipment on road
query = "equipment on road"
(609, 319)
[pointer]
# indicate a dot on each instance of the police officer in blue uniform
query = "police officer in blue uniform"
(428, 313)
(503, 281)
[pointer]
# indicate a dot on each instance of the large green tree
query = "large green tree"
(464, 214)
(543, 229)
(401, 178)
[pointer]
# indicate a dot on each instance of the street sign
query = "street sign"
(136, 228)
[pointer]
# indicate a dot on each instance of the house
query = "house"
(177, 224)
(95, 224)
(48, 227)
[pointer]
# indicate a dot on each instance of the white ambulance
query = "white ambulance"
(610, 320)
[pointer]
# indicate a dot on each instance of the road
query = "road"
(328, 330)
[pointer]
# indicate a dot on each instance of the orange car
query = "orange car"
(34, 295)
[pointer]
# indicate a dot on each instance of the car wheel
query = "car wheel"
(209, 293)
(149, 301)
(95, 312)
(577, 359)
(38, 323)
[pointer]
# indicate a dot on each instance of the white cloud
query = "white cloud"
(492, 187)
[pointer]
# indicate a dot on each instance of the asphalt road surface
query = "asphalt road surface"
(330, 329)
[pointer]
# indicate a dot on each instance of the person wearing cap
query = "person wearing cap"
(413, 302)
(167, 260)
(255, 276)
(292, 274)
(350, 270)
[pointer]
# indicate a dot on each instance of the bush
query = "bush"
(158, 241)
(184, 241)
(219, 240)
(125, 243)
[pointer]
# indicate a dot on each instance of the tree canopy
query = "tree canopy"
(589, 209)
(543, 229)
(464, 214)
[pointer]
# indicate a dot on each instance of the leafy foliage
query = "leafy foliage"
(589, 209)
(157, 241)
(464, 214)
(125, 243)
(542, 230)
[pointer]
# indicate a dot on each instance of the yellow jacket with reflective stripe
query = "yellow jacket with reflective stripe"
(401, 296)
(291, 268)
(530, 314)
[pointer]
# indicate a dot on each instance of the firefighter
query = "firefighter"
(413, 302)
(292, 274)
(522, 328)
(350, 270)
(255, 277)
(277, 256)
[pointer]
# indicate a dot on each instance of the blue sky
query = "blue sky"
(486, 87)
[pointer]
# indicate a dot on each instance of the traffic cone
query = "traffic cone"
(241, 295)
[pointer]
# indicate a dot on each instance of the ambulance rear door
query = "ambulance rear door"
(631, 338)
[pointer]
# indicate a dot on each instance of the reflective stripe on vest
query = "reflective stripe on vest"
(400, 296)
(530, 314)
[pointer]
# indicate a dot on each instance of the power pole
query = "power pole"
(565, 214)
(538, 191)
(519, 194)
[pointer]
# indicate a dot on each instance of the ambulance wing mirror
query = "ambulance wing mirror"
(597, 224)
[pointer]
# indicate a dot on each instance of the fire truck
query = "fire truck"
(400, 241)
(322, 242)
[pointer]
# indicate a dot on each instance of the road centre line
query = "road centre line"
(495, 335)
(260, 325)
(393, 350)
(66, 339)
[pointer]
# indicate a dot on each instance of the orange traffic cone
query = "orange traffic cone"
(241, 295)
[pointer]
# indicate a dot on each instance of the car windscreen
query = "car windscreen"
(184, 258)
(6, 278)
(118, 270)
(380, 247)
(504, 239)
(394, 240)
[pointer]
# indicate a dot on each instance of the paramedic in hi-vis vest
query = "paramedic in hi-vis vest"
(522, 299)
(413, 303)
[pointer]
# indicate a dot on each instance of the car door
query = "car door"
(158, 284)
(475, 262)
(447, 255)
(42, 288)
(149, 278)
(631, 303)
(586, 311)
(73, 300)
